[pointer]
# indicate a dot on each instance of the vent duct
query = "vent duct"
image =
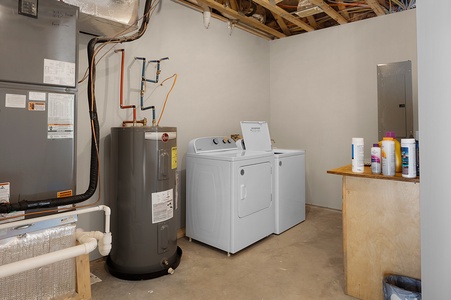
(107, 17)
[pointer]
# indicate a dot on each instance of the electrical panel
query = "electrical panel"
(394, 94)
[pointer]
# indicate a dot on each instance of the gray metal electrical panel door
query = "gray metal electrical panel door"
(394, 95)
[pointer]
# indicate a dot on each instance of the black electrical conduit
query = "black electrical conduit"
(94, 167)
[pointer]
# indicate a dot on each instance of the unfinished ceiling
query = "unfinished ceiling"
(273, 19)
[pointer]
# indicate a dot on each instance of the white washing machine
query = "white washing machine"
(289, 175)
(229, 202)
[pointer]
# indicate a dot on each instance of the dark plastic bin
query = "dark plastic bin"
(398, 287)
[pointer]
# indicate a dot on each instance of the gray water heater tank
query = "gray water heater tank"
(143, 202)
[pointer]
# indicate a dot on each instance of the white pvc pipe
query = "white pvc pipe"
(88, 242)
(48, 258)
(62, 215)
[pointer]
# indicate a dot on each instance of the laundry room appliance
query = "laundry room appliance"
(289, 175)
(144, 202)
(229, 203)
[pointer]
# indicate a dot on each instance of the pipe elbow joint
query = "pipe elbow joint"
(105, 244)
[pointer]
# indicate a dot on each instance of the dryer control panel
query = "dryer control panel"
(211, 144)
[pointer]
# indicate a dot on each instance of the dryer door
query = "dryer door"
(254, 188)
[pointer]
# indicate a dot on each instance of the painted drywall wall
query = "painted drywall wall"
(324, 92)
(434, 92)
(222, 79)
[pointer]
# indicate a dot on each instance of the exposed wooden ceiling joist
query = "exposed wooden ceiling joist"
(344, 13)
(246, 20)
(312, 21)
(284, 14)
(375, 5)
(233, 5)
(281, 23)
(224, 19)
(329, 11)
(280, 18)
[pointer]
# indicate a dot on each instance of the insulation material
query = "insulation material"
(108, 17)
(305, 9)
(48, 282)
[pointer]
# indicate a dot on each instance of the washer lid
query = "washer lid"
(256, 135)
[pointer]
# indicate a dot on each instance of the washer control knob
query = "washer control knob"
(215, 141)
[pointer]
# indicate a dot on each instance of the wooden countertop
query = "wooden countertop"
(347, 171)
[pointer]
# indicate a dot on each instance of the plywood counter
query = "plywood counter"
(381, 229)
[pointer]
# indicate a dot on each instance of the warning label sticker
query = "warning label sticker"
(36, 106)
(4, 192)
(63, 194)
(162, 206)
(4, 198)
(174, 158)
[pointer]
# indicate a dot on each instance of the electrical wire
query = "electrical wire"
(167, 95)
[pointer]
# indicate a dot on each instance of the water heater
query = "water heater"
(143, 201)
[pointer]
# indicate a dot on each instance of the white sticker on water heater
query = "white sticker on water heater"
(162, 206)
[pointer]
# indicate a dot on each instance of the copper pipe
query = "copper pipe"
(122, 89)
(143, 121)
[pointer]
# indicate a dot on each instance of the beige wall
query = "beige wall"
(317, 90)
(222, 79)
(324, 92)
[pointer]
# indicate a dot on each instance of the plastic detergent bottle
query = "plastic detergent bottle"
(388, 156)
(408, 153)
(357, 155)
(376, 167)
(398, 161)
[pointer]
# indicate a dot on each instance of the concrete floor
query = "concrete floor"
(305, 262)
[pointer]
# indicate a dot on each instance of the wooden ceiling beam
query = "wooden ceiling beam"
(282, 24)
(312, 21)
(342, 11)
(284, 14)
(246, 28)
(329, 11)
(233, 5)
(376, 7)
(245, 20)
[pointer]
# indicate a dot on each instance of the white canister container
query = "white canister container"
(358, 153)
(376, 167)
(408, 157)
(388, 158)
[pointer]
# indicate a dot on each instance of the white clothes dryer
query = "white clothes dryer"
(289, 175)
(229, 202)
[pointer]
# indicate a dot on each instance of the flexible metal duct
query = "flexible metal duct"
(107, 17)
